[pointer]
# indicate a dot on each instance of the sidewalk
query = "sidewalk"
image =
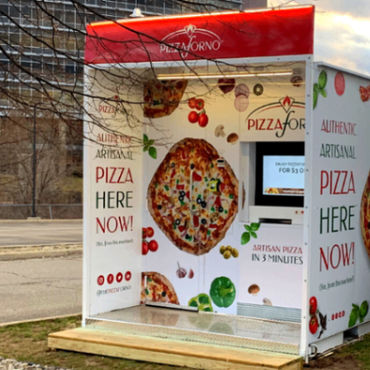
(40, 232)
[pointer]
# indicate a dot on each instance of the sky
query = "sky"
(342, 32)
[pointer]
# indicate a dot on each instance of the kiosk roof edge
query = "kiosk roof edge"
(262, 33)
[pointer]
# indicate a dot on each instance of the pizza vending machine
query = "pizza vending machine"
(220, 182)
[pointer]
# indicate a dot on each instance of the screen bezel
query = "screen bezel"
(276, 148)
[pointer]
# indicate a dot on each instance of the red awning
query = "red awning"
(264, 33)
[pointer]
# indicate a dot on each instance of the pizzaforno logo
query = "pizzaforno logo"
(280, 117)
(189, 40)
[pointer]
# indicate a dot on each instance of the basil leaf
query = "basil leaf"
(364, 309)
(255, 226)
(353, 316)
(247, 227)
(253, 234)
(150, 142)
(145, 139)
(245, 238)
(323, 92)
(323, 78)
(315, 94)
(153, 152)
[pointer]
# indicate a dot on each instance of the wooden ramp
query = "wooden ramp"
(193, 339)
(174, 352)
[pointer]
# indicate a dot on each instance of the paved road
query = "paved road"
(43, 232)
(36, 288)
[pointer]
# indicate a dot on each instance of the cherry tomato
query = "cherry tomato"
(149, 232)
(128, 275)
(144, 232)
(193, 116)
(313, 305)
(144, 248)
(153, 245)
(314, 324)
(364, 93)
(199, 104)
(192, 102)
(203, 120)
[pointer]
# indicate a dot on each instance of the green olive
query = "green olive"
(222, 249)
(235, 253)
(227, 254)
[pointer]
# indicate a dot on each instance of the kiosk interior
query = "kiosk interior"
(226, 183)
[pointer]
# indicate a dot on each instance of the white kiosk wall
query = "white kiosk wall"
(112, 193)
(339, 263)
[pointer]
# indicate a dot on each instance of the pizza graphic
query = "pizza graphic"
(193, 196)
(162, 97)
(155, 287)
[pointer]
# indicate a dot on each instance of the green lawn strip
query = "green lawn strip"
(27, 342)
(360, 350)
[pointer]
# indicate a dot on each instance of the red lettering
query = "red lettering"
(113, 223)
(323, 259)
(99, 173)
(337, 182)
(323, 184)
(337, 255)
(278, 125)
(114, 175)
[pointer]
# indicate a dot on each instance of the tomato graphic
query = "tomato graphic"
(192, 102)
(193, 116)
(128, 275)
(101, 280)
(144, 248)
(153, 245)
(110, 278)
(203, 120)
(314, 324)
(364, 93)
(149, 232)
(119, 277)
(199, 104)
(339, 83)
(144, 232)
(313, 305)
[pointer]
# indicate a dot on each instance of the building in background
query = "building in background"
(41, 91)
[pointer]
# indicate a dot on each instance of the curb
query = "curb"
(48, 318)
(41, 220)
(21, 252)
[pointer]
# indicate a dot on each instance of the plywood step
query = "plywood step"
(163, 350)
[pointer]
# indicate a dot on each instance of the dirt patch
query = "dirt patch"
(335, 362)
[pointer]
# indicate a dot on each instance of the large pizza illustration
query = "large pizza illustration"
(365, 215)
(193, 196)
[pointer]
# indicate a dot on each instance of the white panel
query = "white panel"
(112, 197)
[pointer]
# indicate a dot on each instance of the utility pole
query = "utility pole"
(34, 159)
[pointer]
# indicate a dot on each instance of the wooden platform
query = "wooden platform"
(101, 341)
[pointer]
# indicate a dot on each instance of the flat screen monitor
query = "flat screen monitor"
(280, 174)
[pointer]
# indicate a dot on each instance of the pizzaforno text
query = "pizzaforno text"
(114, 199)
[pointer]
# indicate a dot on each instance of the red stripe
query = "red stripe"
(236, 35)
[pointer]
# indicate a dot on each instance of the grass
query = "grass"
(359, 350)
(27, 342)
